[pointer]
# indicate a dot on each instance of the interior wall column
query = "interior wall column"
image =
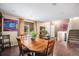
(21, 27)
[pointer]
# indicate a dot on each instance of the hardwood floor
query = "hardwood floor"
(13, 51)
(70, 50)
(74, 49)
(61, 49)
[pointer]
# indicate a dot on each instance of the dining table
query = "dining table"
(38, 45)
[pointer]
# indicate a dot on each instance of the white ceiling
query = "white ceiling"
(42, 11)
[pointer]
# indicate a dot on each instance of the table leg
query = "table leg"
(32, 53)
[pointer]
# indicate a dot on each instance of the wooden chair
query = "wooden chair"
(23, 50)
(48, 50)
(50, 47)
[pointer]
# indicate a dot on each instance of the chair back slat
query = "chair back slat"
(50, 47)
(19, 43)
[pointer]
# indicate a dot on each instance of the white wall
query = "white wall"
(74, 23)
(52, 33)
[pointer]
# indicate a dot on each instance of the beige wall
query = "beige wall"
(21, 27)
(13, 34)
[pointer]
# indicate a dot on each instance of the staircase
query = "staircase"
(73, 37)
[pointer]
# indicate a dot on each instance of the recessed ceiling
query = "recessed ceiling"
(42, 11)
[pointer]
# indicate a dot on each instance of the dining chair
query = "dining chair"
(48, 50)
(50, 47)
(23, 50)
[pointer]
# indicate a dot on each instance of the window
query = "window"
(28, 27)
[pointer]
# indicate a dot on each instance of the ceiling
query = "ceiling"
(42, 11)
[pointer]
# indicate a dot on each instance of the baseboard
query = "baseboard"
(13, 45)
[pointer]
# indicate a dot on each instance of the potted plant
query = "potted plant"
(33, 34)
(45, 34)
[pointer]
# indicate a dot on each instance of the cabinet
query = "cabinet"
(1, 44)
(6, 41)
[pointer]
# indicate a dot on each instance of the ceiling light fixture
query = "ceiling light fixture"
(53, 3)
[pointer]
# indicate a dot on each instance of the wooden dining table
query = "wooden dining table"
(38, 45)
